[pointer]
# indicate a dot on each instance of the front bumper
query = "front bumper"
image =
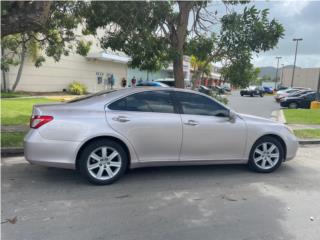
(292, 146)
(51, 153)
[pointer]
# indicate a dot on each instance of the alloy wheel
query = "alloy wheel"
(104, 163)
(266, 155)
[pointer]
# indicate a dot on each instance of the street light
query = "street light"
(295, 58)
(281, 79)
(275, 81)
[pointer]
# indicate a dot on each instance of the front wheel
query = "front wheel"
(103, 162)
(266, 155)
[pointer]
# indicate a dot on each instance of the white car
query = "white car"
(104, 134)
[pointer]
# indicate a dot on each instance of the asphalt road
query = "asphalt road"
(259, 106)
(202, 202)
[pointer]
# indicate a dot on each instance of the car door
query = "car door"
(208, 133)
(307, 99)
(149, 121)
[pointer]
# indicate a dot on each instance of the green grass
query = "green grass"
(18, 111)
(302, 116)
(307, 133)
(12, 139)
(12, 94)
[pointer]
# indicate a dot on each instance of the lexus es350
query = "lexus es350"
(104, 134)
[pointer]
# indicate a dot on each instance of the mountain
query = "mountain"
(271, 71)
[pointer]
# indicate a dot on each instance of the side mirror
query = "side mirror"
(232, 116)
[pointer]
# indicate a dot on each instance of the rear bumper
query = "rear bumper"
(51, 153)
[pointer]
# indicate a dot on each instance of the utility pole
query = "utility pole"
(281, 79)
(295, 58)
(318, 88)
(275, 81)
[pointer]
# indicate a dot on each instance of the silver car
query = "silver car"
(104, 134)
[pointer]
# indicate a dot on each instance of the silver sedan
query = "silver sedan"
(104, 134)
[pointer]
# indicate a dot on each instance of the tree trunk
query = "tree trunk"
(23, 54)
(178, 38)
(178, 72)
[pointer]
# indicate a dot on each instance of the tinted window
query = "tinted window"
(199, 105)
(151, 101)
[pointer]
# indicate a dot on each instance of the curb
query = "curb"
(306, 142)
(12, 151)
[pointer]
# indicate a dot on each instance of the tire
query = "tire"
(104, 169)
(261, 94)
(251, 94)
(293, 105)
(241, 94)
(270, 163)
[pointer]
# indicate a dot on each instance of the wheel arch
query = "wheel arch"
(122, 143)
(282, 142)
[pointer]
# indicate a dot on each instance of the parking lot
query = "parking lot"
(196, 202)
(259, 106)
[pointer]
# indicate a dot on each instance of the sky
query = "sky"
(300, 19)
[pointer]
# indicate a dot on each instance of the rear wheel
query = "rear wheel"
(251, 94)
(103, 162)
(266, 155)
(293, 105)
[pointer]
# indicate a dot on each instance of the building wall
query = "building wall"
(303, 77)
(56, 76)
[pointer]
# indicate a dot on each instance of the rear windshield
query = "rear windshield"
(90, 96)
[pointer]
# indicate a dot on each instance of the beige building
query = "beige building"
(93, 71)
(303, 77)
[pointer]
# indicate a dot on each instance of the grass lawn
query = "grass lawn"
(307, 133)
(302, 116)
(18, 111)
(12, 94)
(12, 139)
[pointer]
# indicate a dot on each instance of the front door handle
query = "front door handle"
(191, 123)
(121, 119)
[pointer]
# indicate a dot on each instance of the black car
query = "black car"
(301, 101)
(252, 91)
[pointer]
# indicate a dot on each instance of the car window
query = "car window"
(149, 101)
(196, 104)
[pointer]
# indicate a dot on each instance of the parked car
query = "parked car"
(218, 89)
(252, 91)
(268, 90)
(299, 93)
(204, 89)
(152, 84)
(284, 93)
(104, 134)
(300, 101)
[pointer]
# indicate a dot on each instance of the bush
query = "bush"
(219, 98)
(77, 88)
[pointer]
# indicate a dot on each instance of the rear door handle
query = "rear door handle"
(121, 119)
(191, 123)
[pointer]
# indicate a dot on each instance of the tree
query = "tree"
(155, 33)
(240, 73)
(39, 29)
(199, 69)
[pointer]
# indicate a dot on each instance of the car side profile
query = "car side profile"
(252, 91)
(104, 134)
(299, 100)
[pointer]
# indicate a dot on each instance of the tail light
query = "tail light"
(37, 121)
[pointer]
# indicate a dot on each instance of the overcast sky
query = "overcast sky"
(301, 19)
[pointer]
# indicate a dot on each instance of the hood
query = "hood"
(251, 118)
